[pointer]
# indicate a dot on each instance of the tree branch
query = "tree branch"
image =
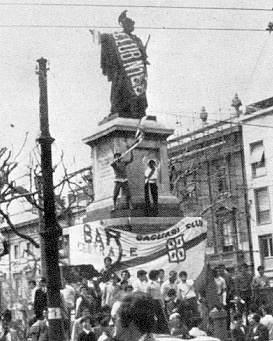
(19, 234)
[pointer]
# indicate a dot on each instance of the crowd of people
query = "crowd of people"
(91, 309)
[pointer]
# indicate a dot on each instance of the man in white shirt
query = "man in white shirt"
(169, 284)
(32, 290)
(141, 282)
(151, 188)
(267, 320)
(186, 293)
(69, 295)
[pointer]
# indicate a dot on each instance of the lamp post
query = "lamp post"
(50, 232)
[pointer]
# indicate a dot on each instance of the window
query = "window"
(227, 228)
(220, 176)
(257, 159)
(266, 251)
(222, 180)
(16, 251)
(17, 280)
(262, 206)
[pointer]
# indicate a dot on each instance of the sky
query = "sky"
(189, 69)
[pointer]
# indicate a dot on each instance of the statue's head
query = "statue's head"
(126, 23)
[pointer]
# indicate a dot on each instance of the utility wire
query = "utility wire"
(57, 4)
(226, 121)
(138, 27)
(249, 83)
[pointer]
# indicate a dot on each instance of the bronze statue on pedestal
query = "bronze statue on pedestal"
(124, 62)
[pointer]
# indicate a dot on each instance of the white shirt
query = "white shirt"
(32, 294)
(166, 286)
(195, 332)
(140, 286)
(267, 321)
(186, 290)
(69, 295)
(153, 178)
(153, 289)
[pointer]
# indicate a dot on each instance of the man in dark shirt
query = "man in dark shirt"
(243, 282)
(257, 331)
(40, 299)
(121, 180)
(239, 332)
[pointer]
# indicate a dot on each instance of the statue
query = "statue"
(124, 62)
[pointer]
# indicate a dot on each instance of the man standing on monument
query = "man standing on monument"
(124, 61)
(121, 181)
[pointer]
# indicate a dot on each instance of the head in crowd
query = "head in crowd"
(153, 275)
(176, 325)
(237, 320)
(7, 315)
(123, 285)
(254, 319)
(183, 276)
(196, 322)
(215, 272)
(171, 295)
(105, 313)
(161, 274)
(142, 275)
(152, 164)
(42, 283)
(107, 262)
(267, 309)
(103, 321)
(45, 314)
(253, 308)
(117, 156)
(136, 317)
(85, 312)
(221, 269)
(87, 322)
(125, 275)
(32, 284)
(83, 290)
(114, 279)
(261, 270)
(243, 268)
(172, 276)
(129, 288)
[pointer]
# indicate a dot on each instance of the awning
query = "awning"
(257, 153)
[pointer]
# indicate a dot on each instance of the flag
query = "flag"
(179, 247)
(96, 35)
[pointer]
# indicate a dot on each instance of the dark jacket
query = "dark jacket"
(239, 334)
(86, 337)
(260, 334)
(40, 303)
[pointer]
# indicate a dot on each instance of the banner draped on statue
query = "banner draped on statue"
(180, 247)
(126, 52)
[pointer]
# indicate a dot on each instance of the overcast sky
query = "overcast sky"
(188, 69)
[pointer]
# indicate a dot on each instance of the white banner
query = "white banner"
(181, 247)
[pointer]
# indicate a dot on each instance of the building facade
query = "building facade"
(23, 262)
(257, 125)
(207, 175)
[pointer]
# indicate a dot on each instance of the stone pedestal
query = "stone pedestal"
(116, 135)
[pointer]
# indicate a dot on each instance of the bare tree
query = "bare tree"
(10, 191)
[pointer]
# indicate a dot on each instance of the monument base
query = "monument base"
(116, 134)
